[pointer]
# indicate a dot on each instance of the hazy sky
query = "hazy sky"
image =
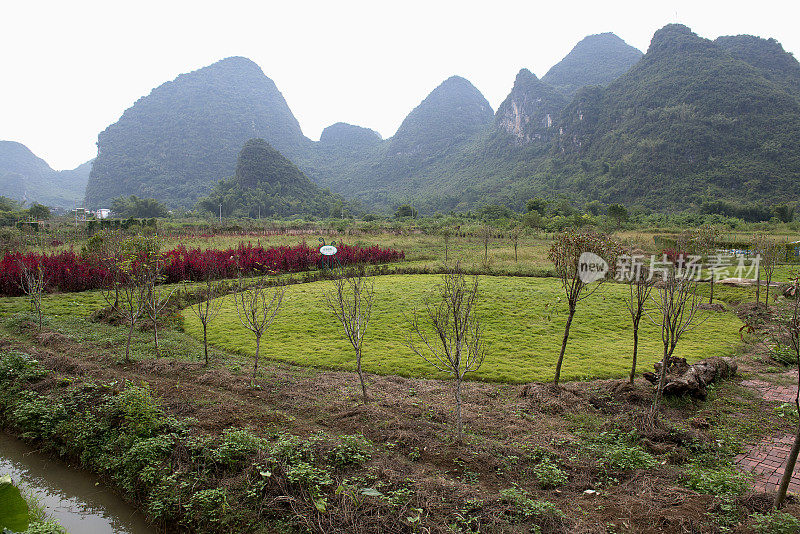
(70, 68)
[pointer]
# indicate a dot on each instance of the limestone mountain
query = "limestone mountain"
(267, 184)
(532, 109)
(451, 114)
(347, 137)
(692, 120)
(178, 141)
(27, 178)
(595, 60)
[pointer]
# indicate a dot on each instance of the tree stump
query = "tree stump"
(683, 378)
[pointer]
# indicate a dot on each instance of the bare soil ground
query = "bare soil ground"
(457, 485)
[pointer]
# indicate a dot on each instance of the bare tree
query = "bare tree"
(566, 253)
(257, 306)
(789, 331)
(126, 290)
(486, 236)
(640, 285)
(157, 299)
(760, 244)
(105, 247)
(446, 237)
(705, 243)
(770, 256)
(33, 283)
(515, 233)
(450, 334)
(207, 305)
(675, 312)
(350, 300)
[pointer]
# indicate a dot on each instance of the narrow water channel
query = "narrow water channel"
(74, 498)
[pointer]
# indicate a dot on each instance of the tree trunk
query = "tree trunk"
(458, 410)
(564, 345)
(711, 300)
(758, 288)
(516, 260)
(155, 334)
(128, 344)
(662, 377)
(789, 469)
(694, 379)
(766, 293)
(205, 342)
(635, 349)
(361, 376)
(255, 365)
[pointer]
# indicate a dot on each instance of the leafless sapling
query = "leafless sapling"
(675, 312)
(771, 250)
(350, 300)
(449, 332)
(640, 285)
(515, 233)
(157, 299)
(257, 306)
(705, 243)
(486, 236)
(126, 291)
(446, 237)
(207, 303)
(33, 283)
(758, 251)
(565, 253)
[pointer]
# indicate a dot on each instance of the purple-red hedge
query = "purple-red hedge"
(71, 272)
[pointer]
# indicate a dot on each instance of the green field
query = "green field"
(523, 319)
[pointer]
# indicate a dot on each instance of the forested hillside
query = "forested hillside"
(267, 184)
(177, 142)
(690, 121)
(24, 177)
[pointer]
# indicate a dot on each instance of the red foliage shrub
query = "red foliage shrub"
(70, 272)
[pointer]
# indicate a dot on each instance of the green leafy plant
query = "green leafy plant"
(718, 480)
(526, 507)
(13, 507)
(776, 522)
(549, 474)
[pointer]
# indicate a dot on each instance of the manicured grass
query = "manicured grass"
(523, 319)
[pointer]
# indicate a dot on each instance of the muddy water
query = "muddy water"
(73, 497)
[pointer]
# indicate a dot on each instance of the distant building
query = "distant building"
(103, 213)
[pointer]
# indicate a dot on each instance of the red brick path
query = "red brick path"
(767, 459)
(771, 392)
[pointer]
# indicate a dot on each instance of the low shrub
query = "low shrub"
(776, 522)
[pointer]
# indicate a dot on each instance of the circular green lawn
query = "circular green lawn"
(523, 321)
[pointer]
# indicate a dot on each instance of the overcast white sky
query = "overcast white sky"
(69, 69)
